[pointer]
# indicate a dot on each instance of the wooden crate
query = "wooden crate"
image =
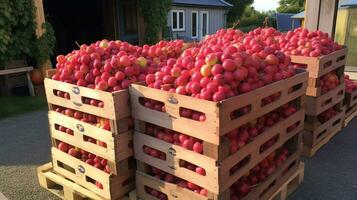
(313, 86)
(350, 113)
(290, 185)
(218, 177)
(316, 105)
(86, 175)
(116, 104)
(66, 189)
(218, 121)
(262, 191)
(319, 66)
(315, 132)
(350, 98)
(119, 146)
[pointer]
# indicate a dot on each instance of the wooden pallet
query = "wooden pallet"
(319, 66)
(316, 105)
(262, 191)
(118, 145)
(218, 177)
(218, 114)
(314, 88)
(66, 189)
(311, 151)
(350, 113)
(290, 185)
(116, 104)
(86, 175)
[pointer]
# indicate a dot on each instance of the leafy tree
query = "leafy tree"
(291, 6)
(236, 12)
(252, 19)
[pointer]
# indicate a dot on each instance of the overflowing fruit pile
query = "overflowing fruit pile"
(329, 81)
(351, 85)
(221, 67)
(113, 65)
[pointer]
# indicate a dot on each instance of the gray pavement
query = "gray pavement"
(25, 144)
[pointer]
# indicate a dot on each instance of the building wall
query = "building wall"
(216, 20)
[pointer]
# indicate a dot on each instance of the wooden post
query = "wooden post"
(321, 15)
(40, 19)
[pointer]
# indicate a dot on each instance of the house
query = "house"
(285, 22)
(193, 19)
(298, 19)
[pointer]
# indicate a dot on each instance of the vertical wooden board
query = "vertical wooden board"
(328, 15)
(312, 8)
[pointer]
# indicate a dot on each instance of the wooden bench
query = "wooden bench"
(21, 70)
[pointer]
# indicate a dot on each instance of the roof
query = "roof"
(203, 3)
(348, 3)
(299, 15)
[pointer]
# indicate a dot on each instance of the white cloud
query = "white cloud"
(265, 5)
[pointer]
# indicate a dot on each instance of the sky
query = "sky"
(265, 5)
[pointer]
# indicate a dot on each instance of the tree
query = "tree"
(291, 6)
(236, 12)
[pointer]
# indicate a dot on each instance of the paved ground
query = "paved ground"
(25, 144)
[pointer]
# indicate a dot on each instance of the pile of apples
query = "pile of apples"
(327, 115)
(258, 174)
(113, 65)
(226, 64)
(350, 85)
(329, 81)
(301, 42)
(89, 158)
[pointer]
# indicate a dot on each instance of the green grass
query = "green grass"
(15, 105)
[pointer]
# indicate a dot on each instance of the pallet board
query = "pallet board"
(262, 191)
(66, 189)
(118, 145)
(290, 185)
(319, 66)
(116, 104)
(85, 175)
(218, 114)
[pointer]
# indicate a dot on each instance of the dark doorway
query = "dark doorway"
(128, 21)
(79, 21)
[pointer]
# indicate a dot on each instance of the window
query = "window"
(178, 20)
(204, 23)
(194, 24)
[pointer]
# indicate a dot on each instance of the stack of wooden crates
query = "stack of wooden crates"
(215, 158)
(316, 134)
(350, 101)
(69, 177)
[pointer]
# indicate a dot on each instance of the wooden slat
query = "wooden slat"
(312, 14)
(328, 16)
(116, 104)
(15, 70)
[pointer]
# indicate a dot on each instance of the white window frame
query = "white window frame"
(177, 19)
(201, 22)
(197, 27)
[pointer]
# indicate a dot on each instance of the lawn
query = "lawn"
(15, 105)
